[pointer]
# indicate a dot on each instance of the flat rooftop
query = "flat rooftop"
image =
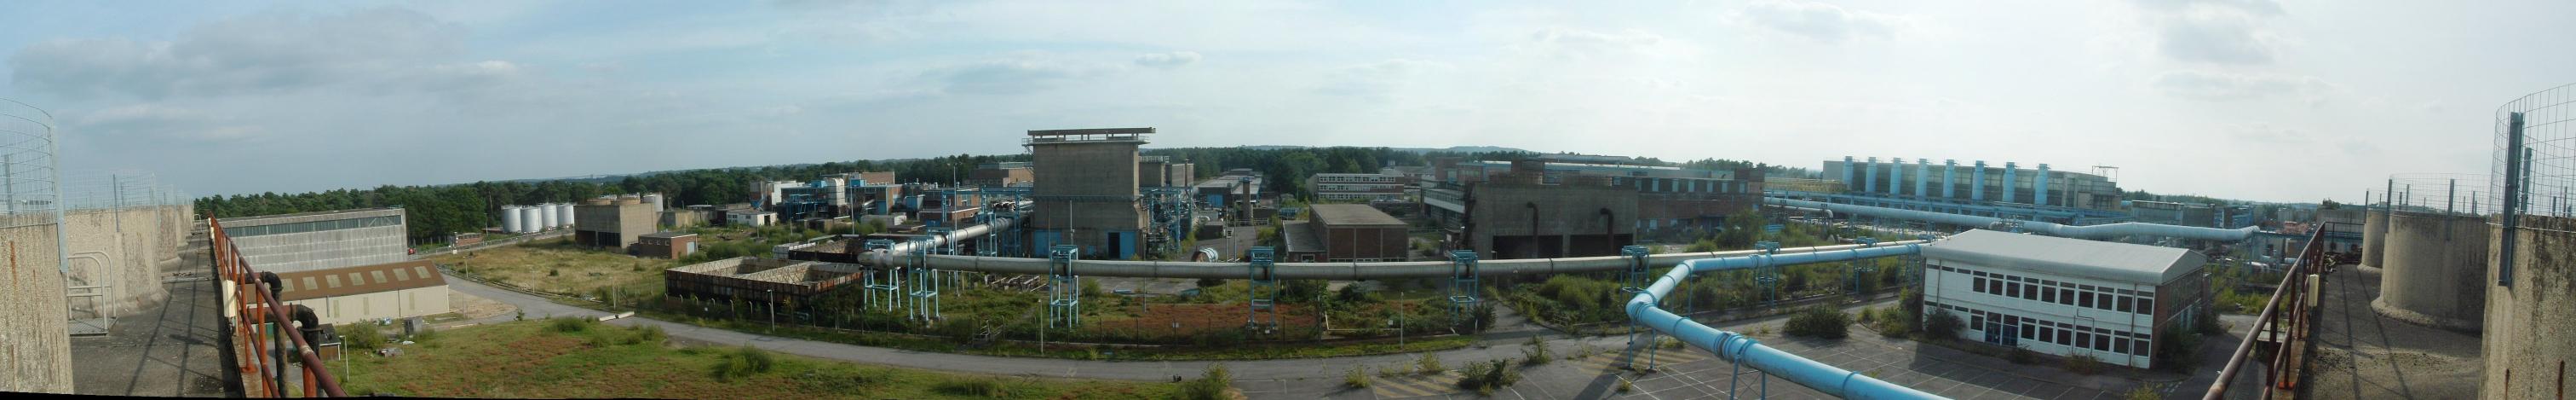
(669, 235)
(238, 222)
(2067, 257)
(1348, 215)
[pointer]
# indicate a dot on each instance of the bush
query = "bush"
(1357, 377)
(2142, 392)
(1819, 322)
(360, 336)
(2084, 364)
(2021, 355)
(745, 361)
(1209, 386)
(987, 387)
(569, 324)
(1211, 282)
(1943, 325)
(1536, 353)
(645, 334)
(1429, 363)
(1485, 377)
(2177, 349)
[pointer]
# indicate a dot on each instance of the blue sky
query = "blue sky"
(2286, 100)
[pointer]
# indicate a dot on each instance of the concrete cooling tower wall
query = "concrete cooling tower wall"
(2433, 270)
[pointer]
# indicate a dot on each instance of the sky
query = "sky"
(2251, 99)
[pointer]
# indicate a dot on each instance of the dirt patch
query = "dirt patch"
(476, 307)
(553, 266)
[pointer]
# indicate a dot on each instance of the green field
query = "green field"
(582, 359)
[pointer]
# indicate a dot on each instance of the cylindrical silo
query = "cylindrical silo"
(563, 213)
(2526, 346)
(2433, 271)
(530, 218)
(546, 214)
(510, 220)
(2374, 236)
(656, 200)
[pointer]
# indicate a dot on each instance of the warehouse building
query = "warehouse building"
(613, 222)
(320, 240)
(2065, 296)
(666, 245)
(1086, 193)
(1523, 213)
(367, 292)
(757, 279)
(1345, 233)
(1668, 198)
(1383, 186)
(1002, 174)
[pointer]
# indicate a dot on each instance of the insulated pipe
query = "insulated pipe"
(2106, 231)
(1736, 347)
(1347, 271)
(2040, 196)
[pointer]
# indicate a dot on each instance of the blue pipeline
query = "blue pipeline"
(1744, 350)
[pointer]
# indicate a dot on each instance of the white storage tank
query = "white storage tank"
(563, 211)
(528, 215)
(510, 220)
(546, 214)
(656, 200)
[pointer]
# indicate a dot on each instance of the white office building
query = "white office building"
(2062, 296)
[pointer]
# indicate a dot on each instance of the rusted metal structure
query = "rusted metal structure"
(2284, 324)
(266, 336)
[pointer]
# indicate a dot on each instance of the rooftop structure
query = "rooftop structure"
(2065, 296)
(320, 240)
(1086, 190)
(368, 292)
(757, 279)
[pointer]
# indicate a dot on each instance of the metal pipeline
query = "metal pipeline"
(2105, 231)
(1328, 271)
(1736, 347)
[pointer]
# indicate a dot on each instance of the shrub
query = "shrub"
(745, 361)
(569, 324)
(360, 336)
(2142, 392)
(1429, 363)
(987, 387)
(1819, 322)
(1536, 353)
(1943, 325)
(2084, 364)
(1485, 377)
(2021, 355)
(2176, 349)
(645, 334)
(1209, 386)
(1357, 377)
(1211, 282)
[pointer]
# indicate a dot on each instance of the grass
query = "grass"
(558, 266)
(1250, 351)
(549, 359)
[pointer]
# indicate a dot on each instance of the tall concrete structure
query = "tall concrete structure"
(613, 222)
(1086, 189)
(35, 343)
(1517, 215)
(2526, 346)
(2432, 272)
(320, 240)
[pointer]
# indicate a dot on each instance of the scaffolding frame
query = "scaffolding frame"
(884, 287)
(1264, 294)
(925, 285)
(1064, 289)
(1462, 287)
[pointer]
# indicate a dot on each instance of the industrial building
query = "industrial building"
(1385, 186)
(2064, 296)
(1520, 213)
(2041, 194)
(1086, 193)
(613, 222)
(756, 279)
(1003, 174)
(320, 240)
(1668, 198)
(750, 218)
(666, 245)
(368, 292)
(1233, 187)
(1345, 233)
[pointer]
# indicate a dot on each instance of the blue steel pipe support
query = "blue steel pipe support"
(1736, 347)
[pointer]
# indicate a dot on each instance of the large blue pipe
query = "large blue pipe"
(1744, 350)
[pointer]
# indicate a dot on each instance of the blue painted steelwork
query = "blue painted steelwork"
(2040, 189)
(1977, 184)
(1264, 293)
(1950, 180)
(884, 286)
(2063, 215)
(1064, 289)
(1872, 174)
(2011, 173)
(1922, 177)
(1462, 286)
(2105, 231)
(1643, 309)
(925, 281)
(1896, 175)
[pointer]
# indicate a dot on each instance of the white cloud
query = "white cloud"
(148, 123)
(1168, 60)
(1579, 43)
(1377, 80)
(2205, 85)
(1003, 77)
(1819, 21)
(267, 52)
(2227, 32)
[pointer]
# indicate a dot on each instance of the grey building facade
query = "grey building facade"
(320, 240)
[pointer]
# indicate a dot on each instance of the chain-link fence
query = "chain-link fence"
(2541, 179)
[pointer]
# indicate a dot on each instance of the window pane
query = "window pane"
(2066, 296)
(2047, 295)
(2122, 302)
(2146, 305)
(2065, 337)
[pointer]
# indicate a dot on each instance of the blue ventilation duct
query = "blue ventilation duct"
(2009, 184)
(1977, 185)
(2096, 232)
(1736, 347)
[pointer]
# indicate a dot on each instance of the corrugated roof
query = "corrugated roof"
(2069, 257)
(363, 279)
(1337, 215)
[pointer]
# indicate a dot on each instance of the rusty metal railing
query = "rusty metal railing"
(263, 330)
(2284, 315)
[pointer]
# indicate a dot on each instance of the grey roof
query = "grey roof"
(1342, 215)
(2069, 257)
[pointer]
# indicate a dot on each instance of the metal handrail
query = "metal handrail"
(2292, 288)
(255, 304)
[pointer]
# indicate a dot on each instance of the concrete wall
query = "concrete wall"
(35, 346)
(1089, 187)
(2431, 276)
(2526, 346)
(2374, 238)
(122, 249)
(1568, 216)
(380, 305)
